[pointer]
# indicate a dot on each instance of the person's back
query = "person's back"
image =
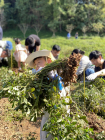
(3, 44)
(68, 35)
(1, 33)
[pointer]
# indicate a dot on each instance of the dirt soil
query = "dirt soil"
(16, 130)
(95, 122)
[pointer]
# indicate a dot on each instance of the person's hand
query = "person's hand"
(4, 54)
(92, 76)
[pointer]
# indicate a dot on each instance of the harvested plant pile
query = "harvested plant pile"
(31, 92)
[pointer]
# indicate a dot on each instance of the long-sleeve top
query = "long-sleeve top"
(85, 63)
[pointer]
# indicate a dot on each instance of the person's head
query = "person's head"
(96, 58)
(77, 51)
(55, 50)
(39, 59)
(17, 41)
(30, 41)
(4, 54)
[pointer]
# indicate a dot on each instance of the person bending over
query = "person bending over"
(3, 55)
(85, 64)
(32, 43)
(97, 60)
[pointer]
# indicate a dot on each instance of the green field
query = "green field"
(87, 106)
(87, 44)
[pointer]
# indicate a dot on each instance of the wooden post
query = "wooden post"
(11, 59)
(84, 87)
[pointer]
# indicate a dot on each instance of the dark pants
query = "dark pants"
(3, 63)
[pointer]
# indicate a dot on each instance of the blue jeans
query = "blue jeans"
(89, 71)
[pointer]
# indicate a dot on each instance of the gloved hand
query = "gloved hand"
(92, 76)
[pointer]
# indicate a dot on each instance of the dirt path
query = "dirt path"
(10, 129)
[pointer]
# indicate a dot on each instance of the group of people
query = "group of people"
(69, 35)
(93, 66)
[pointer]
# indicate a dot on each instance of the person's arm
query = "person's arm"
(26, 47)
(37, 48)
(96, 74)
(82, 66)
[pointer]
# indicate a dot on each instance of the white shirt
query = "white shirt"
(85, 63)
(20, 47)
(3, 44)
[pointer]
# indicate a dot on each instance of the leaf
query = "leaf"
(84, 118)
(6, 88)
(32, 89)
(54, 88)
(25, 100)
(28, 112)
(60, 120)
(45, 100)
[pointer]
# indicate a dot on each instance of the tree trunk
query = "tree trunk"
(60, 27)
(98, 33)
(53, 34)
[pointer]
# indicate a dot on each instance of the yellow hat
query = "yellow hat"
(37, 54)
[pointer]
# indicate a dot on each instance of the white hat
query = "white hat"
(37, 54)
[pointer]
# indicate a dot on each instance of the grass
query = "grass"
(87, 44)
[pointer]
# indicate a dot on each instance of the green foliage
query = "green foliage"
(97, 27)
(36, 93)
(84, 29)
(55, 13)
(93, 99)
(1, 3)
(69, 28)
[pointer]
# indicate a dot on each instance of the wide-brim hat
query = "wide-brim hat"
(41, 53)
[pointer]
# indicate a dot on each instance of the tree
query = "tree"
(53, 27)
(69, 28)
(97, 27)
(23, 27)
(2, 16)
(84, 29)
(37, 11)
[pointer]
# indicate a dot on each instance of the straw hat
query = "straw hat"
(37, 54)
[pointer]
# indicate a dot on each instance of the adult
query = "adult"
(1, 33)
(97, 60)
(85, 64)
(32, 43)
(56, 51)
(6, 45)
(5, 52)
(3, 55)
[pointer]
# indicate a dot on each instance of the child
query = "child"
(39, 60)
(76, 35)
(68, 35)
(20, 53)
